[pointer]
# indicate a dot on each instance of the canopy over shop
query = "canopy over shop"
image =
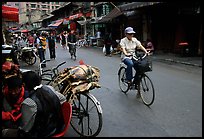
(10, 13)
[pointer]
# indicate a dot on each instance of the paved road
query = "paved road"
(176, 112)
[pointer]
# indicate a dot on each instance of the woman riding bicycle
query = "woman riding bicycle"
(128, 46)
(72, 39)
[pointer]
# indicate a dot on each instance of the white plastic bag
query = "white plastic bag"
(104, 49)
(111, 49)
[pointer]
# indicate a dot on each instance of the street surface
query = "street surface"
(176, 111)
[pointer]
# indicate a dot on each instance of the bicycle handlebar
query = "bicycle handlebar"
(135, 57)
(60, 65)
(51, 72)
(46, 60)
(72, 43)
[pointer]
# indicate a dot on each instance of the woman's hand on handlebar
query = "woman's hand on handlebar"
(147, 52)
(128, 55)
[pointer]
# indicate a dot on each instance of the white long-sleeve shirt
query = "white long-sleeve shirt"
(130, 46)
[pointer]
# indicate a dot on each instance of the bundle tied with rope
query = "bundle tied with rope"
(78, 79)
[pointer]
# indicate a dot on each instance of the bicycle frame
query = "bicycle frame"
(83, 104)
(141, 81)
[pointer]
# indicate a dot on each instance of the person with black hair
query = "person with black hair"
(51, 45)
(71, 38)
(108, 43)
(41, 111)
(13, 96)
(41, 50)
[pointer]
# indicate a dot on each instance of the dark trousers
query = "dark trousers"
(108, 49)
(42, 55)
(52, 52)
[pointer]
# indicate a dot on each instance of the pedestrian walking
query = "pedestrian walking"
(51, 45)
(30, 40)
(71, 38)
(63, 41)
(107, 43)
(39, 46)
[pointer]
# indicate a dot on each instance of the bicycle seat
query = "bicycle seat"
(67, 114)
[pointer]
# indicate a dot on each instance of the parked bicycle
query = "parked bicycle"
(26, 54)
(141, 81)
(81, 43)
(48, 75)
(86, 109)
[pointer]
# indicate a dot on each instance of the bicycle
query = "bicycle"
(86, 109)
(48, 75)
(81, 43)
(141, 81)
(72, 50)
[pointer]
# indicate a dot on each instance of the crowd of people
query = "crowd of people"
(30, 109)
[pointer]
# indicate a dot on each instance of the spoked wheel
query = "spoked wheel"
(30, 60)
(124, 87)
(146, 90)
(86, 115)
(73, 53)
(18, 55)
(79, 44)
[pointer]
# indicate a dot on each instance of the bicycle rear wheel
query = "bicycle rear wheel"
(86, 115)
(124, 87)
(30, 60)
(146, 90)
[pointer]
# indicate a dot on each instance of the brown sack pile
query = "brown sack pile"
(80, 78)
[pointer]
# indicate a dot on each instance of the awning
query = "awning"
(75, 16)
(113, 14)
(10, 13)
(135, 5)
(24, 31)
(56, 24)
(44, 29)
(122, 9)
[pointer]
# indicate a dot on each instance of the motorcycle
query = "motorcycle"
(8, 54)
(27, 54)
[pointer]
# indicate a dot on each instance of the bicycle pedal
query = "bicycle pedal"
(132, 87)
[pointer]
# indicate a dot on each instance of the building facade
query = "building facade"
(33, 11)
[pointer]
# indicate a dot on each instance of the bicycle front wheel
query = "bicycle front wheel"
(146, 89)
(86, 115)
(78, 45)
(124, 87)
(30, 60)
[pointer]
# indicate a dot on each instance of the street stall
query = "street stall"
(9, 14)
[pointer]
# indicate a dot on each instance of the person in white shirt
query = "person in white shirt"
(98, 34)
(128, 46)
